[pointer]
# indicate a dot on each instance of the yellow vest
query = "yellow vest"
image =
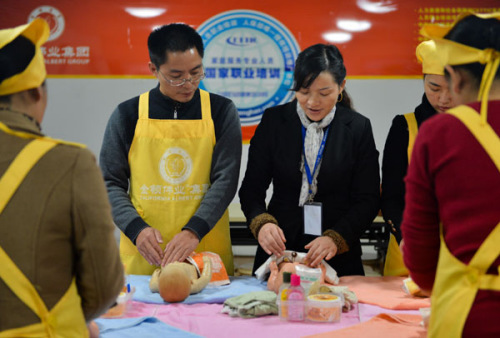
(66, 318)
(456, 283)
(394, 265)
(170, 163)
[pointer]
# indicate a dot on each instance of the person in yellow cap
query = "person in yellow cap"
(451, 223)
(398, 149)
(59, 261)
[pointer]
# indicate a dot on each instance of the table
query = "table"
(196, 318)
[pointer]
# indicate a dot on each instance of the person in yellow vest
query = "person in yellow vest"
(398, 148)
(451, 223)
(170, 158)
(59, 261)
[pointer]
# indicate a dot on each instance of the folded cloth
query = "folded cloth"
(384, 291)
(143, 327)
(383, 325)
(251, 305)
(211, 294)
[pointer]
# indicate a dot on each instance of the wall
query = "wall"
(78, 109)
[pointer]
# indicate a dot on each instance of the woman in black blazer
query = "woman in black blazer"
(346, 181)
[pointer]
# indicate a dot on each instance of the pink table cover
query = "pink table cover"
(207, 320)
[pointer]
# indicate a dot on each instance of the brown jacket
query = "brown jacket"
(57, 227)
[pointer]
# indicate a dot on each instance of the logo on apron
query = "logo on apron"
(175, 165)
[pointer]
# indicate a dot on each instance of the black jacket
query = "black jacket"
(395, 165)
(348, 180)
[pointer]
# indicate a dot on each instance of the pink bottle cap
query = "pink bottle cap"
(295, 280)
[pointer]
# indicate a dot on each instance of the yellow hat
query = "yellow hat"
(427, 56)
(34, 74)
(454, 53)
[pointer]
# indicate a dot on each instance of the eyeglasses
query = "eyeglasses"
(180, 82)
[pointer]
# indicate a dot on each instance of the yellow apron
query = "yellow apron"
(66, 318)
(456, 284)
(394, 265)
(170, 163)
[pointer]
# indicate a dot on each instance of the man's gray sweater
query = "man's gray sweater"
(225, 159)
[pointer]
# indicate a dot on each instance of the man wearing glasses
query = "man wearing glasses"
(170, 158)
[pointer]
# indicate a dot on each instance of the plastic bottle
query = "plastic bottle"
(283, 291)
(283, 295)
(295, 300)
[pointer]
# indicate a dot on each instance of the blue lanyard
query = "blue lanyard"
(318, 158)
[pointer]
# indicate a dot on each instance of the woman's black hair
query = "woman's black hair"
(478, 33)
(14, 58)
(316, 59)
(175, 37)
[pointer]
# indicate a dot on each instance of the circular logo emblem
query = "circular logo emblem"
(175, 165)
(54, 18)
(249, 58)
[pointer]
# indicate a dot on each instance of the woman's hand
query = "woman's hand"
(272, 239)
(320, 248)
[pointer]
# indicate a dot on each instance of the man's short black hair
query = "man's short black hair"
(175, 37)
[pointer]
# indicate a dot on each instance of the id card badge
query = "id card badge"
(312, 218)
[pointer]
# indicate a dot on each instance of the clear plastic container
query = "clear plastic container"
(325, 308)
(122, 302)
(307, 276)
(283, 307)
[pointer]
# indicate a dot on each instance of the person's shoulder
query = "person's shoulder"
(281, 112)
(126, 113)
(128, 105)
(217, 99)
(441, 128)
(348, 115)
(399, 120)
(71, 154)
(223, 110)
(221, 106)
(438, 122)
(279, 119)
(69, 147)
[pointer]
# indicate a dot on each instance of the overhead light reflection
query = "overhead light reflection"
(145, 12)
(379, 7)
(337, 37)
(354, 25)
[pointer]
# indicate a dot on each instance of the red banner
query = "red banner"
(108, 38)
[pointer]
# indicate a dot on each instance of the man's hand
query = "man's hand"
(147, 243)
(180, 247)
(272, 239)
(320, 248)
